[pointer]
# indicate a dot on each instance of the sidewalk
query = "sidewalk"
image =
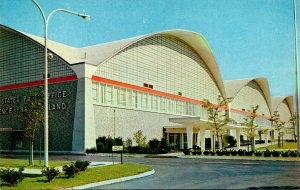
(38, 172)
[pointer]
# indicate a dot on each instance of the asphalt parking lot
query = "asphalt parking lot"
(181, 173)
(191, 173)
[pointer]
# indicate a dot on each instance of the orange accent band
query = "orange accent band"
(150, 91)
(142, 89)
(39, 82)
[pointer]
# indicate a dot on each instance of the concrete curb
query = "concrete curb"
(236, 158)
(114, 180)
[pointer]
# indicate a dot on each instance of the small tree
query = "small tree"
(292, 121)
(218, 116)
(277, 124)
(249, 122)
(32, 116)
(139, 138)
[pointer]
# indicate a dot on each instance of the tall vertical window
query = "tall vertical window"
(154, 103)
(163, 104)
(95, 92)
(102, 94)
(121, 97)
(134, 99)
(109, 95)
(144, 101)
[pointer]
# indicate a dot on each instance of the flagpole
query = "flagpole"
(296, 89)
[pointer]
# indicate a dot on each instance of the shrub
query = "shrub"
(258, 153)
(196, 150)
(139, 138)
(91, 150)
(267, 153)
(187, 151)
(233, 152)
(226, 153)
(101, 144)
(285, 154)
(82, 165)
(70, 170)
(212, 153)
(241, 152)
(293, 154)
(206, 152)
(230, 140)
(164, 145)
(275, 153)
(248, 153)
(11, 177)
(128, 142)
(104, 144)
(219, 153)
(50, 173)
(133, 149)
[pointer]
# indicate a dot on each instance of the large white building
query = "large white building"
(155, 83)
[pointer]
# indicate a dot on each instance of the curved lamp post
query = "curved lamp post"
(46, 21)
(297, 88)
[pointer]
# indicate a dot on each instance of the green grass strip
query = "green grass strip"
(91, 175)
(15, 163)
(286, 146)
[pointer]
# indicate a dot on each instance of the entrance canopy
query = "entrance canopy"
(196, 122)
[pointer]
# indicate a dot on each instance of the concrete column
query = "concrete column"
(189, 134)
(202, 138)
(84, 132)
(198, 138)
(181, 141)
(238, 139)
(168, 138)
(267, 137)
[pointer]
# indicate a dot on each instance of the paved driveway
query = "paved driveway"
(180, 173)
(214, 174)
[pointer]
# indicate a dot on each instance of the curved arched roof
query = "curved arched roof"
(276, 100)
(68, 53)
(194, 40)
(97, 54)
(233, 87)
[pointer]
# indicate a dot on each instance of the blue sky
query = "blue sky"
(249, 38)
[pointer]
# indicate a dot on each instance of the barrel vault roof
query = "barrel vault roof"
(233, 87)
(97, 54)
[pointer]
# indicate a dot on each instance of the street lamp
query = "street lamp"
(46, 21)
(296, 89)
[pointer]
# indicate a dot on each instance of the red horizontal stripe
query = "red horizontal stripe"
(151, 91)
(142, 89)
(39, 82)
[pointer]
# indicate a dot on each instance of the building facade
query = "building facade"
(155, 83)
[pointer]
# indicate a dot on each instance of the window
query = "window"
(162, 104)
(95, 92)
(102, 93)
(146, 85)
(171, 106)
(154, 103)
(134, 99)
(109, 95)
(121, 97)
(144, 101)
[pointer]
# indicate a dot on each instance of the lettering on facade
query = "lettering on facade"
(11, 107)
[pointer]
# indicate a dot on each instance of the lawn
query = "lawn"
(15, 163)
(286, 146)
(91, 175)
